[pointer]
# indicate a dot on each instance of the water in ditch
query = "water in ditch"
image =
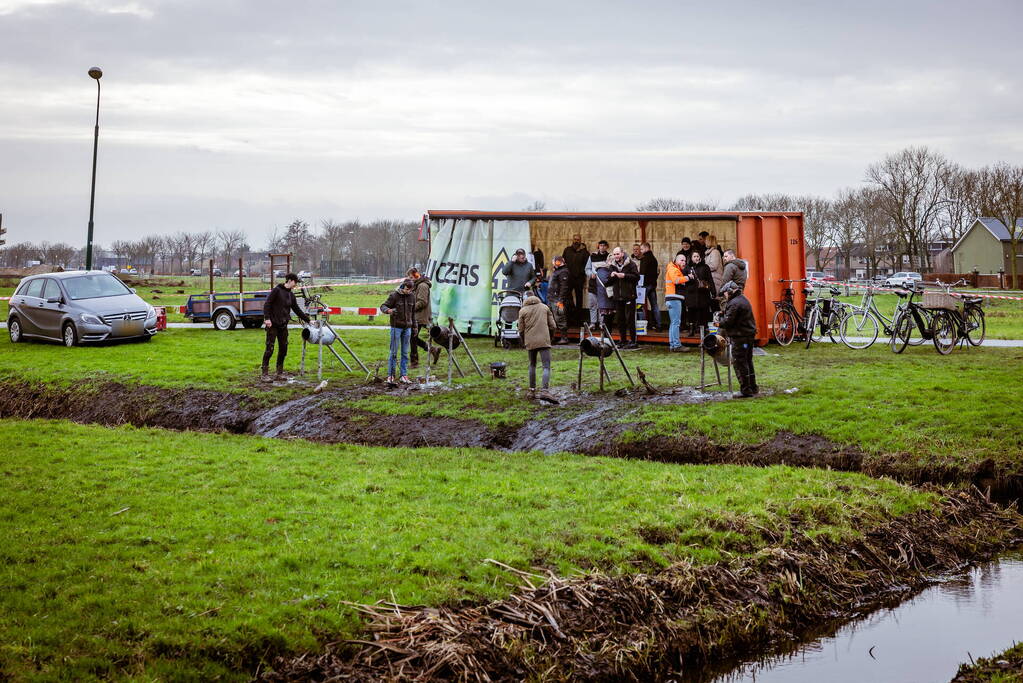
(925, 638)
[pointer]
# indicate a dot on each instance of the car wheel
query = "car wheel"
(69, 335)
(223, 321)
(14, 329)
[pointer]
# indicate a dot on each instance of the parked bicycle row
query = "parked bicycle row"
(940, 317)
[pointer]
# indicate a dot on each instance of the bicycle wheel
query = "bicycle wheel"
(901, 329)
(943, 332)
(784, 326)
(976, 328)
(859, 329)
(813, 332)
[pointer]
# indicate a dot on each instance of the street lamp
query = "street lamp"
(96, 73)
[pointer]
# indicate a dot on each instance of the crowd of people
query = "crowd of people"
(602, 289)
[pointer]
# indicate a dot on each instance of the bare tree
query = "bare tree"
(962, 202)
(18, 255)
(538, 205)
(121, 249)
(914, 185)
(148, 248)
(673, 204)
(1001, 196)
(229, 242)
(299, 241)
(58, 254)
(205, 244)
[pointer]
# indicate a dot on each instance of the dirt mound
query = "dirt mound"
(660, 626)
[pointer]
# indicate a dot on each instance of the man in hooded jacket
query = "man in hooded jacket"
(738, 324)
(421, 290)
(735, 270)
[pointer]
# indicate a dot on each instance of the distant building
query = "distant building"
(986, 247)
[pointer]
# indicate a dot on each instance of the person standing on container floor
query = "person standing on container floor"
(623, 279)
(558, 295)
(276, 316)
(738, 324)
(401, 306)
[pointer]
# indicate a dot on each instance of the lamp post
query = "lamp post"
(97, 74)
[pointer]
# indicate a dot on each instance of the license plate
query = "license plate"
(128, 328)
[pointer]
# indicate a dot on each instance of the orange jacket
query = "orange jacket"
(673, 277)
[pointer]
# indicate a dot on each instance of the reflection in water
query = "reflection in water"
(923, 639)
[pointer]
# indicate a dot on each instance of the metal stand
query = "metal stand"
(452, 361)
(316, 308)
(585, 331)
(717, 370)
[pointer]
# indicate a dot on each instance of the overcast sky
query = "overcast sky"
(248, 114)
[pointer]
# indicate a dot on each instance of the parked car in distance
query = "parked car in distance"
(816, 275)
(129, 271)
(304, 274)
(238, 273)
(903, 279)
(78, 306)
(879, 278)
(217, 272)
(195, 271)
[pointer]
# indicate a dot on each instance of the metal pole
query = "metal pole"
(347, 348)
(338, 356)
(601, 355)
(92, 194)
(451, 355)
(583, 329)
(466, 347)
(319, 360)
(618, 355)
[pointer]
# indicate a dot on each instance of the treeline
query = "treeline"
(378, 248)
(909, 201)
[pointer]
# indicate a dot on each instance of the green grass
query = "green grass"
(956, 408)
(941, 409)
(145, 553)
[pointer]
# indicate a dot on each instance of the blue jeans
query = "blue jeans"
(675, 315)
(655, 310)
(400, 337)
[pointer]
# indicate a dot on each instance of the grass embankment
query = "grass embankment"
(152, 553)
(940, 409)
(1005, 667)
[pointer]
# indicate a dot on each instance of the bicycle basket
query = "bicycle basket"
(934, 299)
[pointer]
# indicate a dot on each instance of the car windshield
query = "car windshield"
(94, 286)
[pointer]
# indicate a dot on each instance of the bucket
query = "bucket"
(314, 334)
(641, 327)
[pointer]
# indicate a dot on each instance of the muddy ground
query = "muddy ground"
(587, 425)
(668, 625)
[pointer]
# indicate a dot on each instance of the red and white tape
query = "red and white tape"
(838, 283)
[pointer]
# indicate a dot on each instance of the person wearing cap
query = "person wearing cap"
(738, 324)
(276, 315)
(558, 293)
(519, 273)
(401, 306)
(576, 256)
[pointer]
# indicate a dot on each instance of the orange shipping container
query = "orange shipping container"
(468, 244)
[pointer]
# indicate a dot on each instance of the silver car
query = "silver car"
(78, 306)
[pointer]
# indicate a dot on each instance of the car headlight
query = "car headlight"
(150, 313)
(90, 319)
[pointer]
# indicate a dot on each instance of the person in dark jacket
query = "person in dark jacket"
(700, 294)
(738, 324)
(649, 271)
(623, 277)
(735, 270)
(401, 306)
(576, 257)
(424, 314)
(686, 248)
(276, 315)
(601, 307)
(519, 272)
(558, 293)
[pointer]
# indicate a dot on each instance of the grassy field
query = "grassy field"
(150, 554)
(955, 408)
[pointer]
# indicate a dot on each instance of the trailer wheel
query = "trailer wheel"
(223, 321)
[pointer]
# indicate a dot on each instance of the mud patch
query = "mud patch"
(581, 424)
(656, 626)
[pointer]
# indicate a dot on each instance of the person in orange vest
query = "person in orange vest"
(673, 299)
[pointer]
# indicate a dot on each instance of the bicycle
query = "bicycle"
(910, 316)
(787, 321)
(826, 315)
(865, 322)
(957, 325)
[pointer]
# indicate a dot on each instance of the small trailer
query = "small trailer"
(226, 309)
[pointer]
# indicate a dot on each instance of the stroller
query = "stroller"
(506, 329)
